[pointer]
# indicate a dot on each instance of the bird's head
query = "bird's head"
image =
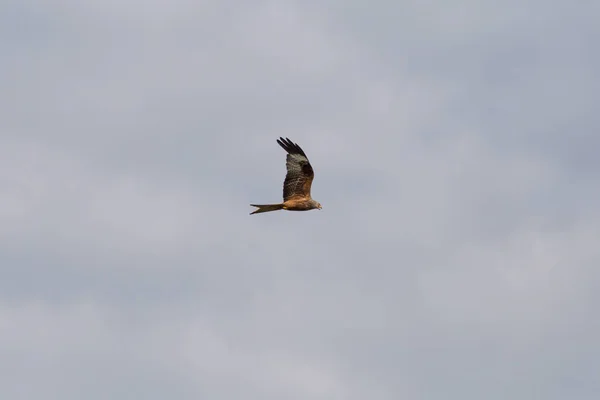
(314, 204)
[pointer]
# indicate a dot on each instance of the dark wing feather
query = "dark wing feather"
(300, 174)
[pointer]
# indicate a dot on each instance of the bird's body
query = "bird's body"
(297, 183)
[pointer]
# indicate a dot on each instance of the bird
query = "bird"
(297, 183)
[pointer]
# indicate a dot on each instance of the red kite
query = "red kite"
(296, 187)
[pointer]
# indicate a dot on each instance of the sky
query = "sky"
(455, 148)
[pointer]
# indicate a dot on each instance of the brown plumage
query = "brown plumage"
(297, 183)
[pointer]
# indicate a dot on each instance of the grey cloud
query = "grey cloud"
(455, 256)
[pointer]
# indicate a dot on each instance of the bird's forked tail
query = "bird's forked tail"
(266, 208)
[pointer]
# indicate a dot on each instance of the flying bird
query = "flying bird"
(297, 183)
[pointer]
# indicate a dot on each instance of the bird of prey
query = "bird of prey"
(296, 186)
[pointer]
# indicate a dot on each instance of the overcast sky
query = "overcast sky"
(456, 149)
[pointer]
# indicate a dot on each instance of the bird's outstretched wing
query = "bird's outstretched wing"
(300, 174)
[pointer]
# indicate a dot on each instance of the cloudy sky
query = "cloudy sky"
(456, 154)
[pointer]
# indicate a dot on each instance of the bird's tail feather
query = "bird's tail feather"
(266, 208)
